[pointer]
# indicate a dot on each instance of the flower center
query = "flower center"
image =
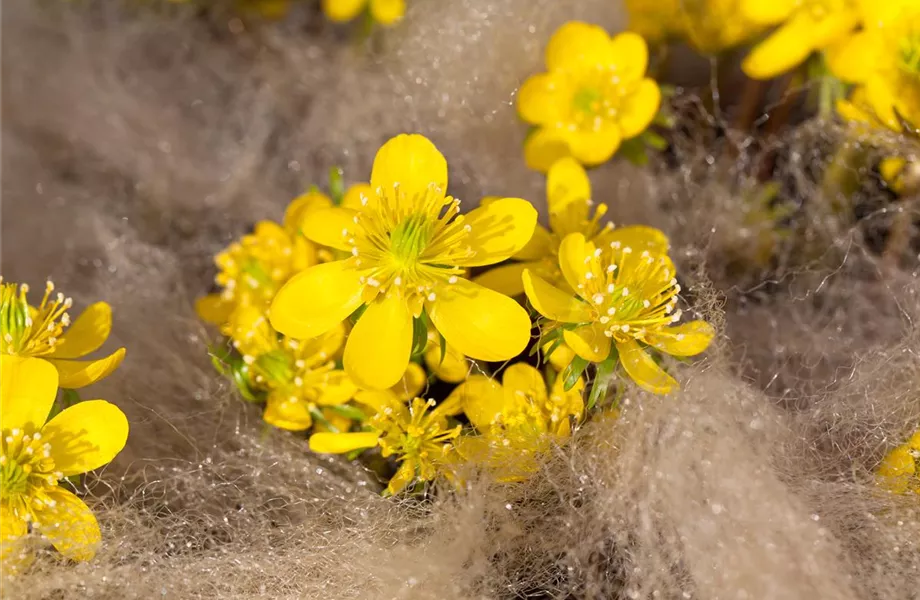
(597, 99)
(27, 331)
(630, 294)
(26, 470)
(409, 240)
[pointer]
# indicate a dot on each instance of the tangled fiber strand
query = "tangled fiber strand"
(135, 145)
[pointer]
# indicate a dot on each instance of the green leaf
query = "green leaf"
(353, 317)
(349, 411)
(602, 378)
(319, 417)
(230, 364)
(419, 334)
(573, 371)
(654, 141)
(556, 344)
(634, 151)
(336, 185)
(443, 348)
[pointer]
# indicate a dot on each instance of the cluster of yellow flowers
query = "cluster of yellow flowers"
(42, 443)
(899, 471)
(338, 316)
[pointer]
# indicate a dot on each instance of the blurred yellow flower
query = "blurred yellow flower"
(252, 270)
(40, 332)
(518, 420)
(385, 12)
(899, 471)
(883, 60)
(571, 210)
(408, 248)
(37, 454)
(593, 96)
(453, 367)
(419, 438)
(710, 26)
(622, 297)
(300, 375)
(804, 26)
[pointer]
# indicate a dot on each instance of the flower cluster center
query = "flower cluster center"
(31, 332)
(26, 466)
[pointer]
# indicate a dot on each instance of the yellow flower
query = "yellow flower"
(899, 471)
(518, 420)
(453, 367)
(901, 175)
(710, 26)
(805, 26)
(408, 248)
(40, 332)
(300, 375)
(571, 210)
(385, 12)
(252, 270)
(593, 96)
(883, 60)
(623, 297)
(37, 454)
(419, 438)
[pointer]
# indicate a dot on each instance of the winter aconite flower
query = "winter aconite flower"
(36, 455)
(899, 471)
(300, 375)
(593, 96)
(883, 60)
(517, 420)
(571, 210)
(624, 299)
(417, 435)
(385, 12)
(252, 270)
(710, 26)
(46, 332)
(408, 247)
(804, 26)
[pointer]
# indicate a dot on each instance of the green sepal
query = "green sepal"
(603, 377)
(349, 411)
(634, 151)
(231, 364)
(573, 371)
(318, 417)
(419, 334)
(442, 345)
(336, 185)
(353, 317)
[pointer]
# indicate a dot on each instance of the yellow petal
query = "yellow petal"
(384, 400)
(896, 470)
(337, 389)
(80, 373)
(544, 99)
(28, 387)
(561, 356)
(454, 367)
(523, 385)
(767, 12)
(544, 147)
(358, 196)
(498, 230)
(341, 443)
(69, 525)
(577, 45)
(639, 108)
(566, 182)
(573, 250)
(630, 54)
(331, 227)
(300, 207)
(643, 370)
(638, 237)
(892, 169)
(505, 279)
(87, 333)
(780, 52)
(15, 554)
(343, 10)
(403, 477)
(588, 342)
(595, 146)
(316, 300)
(288, 413)
(553, 303)
(412, 382)
(539, 246)
(478, 322)
(883, 98)
(411, 163)
(688, 339)
(387, 12)
(855, 57)
(213, 309)
(482, 400)
(379, 345)
(86, 436)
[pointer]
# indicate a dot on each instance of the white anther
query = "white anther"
(452, 279)
(598, 298)
(431, 297)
